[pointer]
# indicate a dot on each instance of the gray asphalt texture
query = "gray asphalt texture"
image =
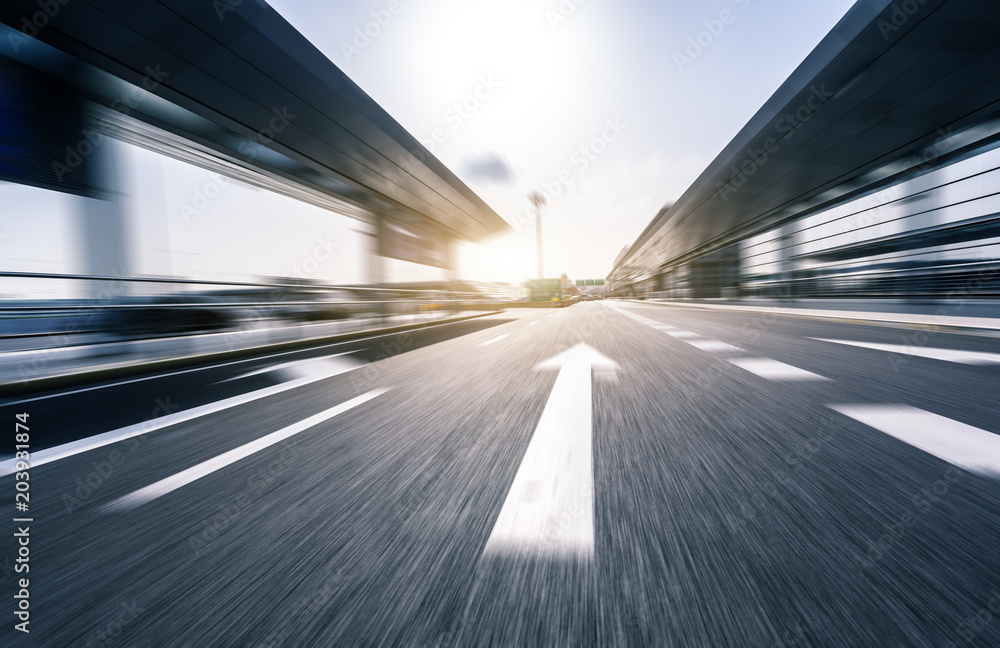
(729, 510)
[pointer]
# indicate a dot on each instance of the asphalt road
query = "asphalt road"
(748, 483)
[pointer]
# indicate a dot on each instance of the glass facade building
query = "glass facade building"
(926, 236)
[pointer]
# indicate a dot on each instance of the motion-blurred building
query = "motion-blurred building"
(108, 106)
(873, 171)
(239, 96)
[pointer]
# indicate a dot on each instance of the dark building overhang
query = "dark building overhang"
(234, 80)
(886, 94)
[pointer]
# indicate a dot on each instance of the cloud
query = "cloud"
(491, 166)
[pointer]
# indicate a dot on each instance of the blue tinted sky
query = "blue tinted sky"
(541, 79)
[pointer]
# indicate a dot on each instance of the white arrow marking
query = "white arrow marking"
(549, 510)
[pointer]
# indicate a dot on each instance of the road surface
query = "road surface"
(609, 474)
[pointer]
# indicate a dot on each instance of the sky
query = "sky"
(610, 109)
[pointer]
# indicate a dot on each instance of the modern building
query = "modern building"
(871, 172)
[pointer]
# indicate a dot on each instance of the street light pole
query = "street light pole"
(538, 200)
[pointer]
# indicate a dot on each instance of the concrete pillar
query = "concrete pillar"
(374, 270)
(105, 239)
(786, 265)
(105, 247)
(452, 272)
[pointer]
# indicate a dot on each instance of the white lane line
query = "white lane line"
(217, 365)
(638, 318)
(774, 370)
(176, 373)
(683, 335)
(957, 443)
(711, 346)
(185, 477)
(114, 436)
(714, 346)
(533, 323)
(650, 323)
(549, 510)
(949, 355)
(297, 368)
(496, 339)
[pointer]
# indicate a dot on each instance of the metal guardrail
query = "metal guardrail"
(224, 304)
(213, 282)
(227, 303)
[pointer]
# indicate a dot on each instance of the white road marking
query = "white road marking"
(674, 331)
(177, 373)
(714, 346)
(114, 436)
(638, 318)
(965, 446)
(950, 355)
(683, 335)
(645, 320)
(300, 368)
(217, 365)
(774, 370)
(533, 323)
(549, 510)
(172, 483)
(496, 339)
